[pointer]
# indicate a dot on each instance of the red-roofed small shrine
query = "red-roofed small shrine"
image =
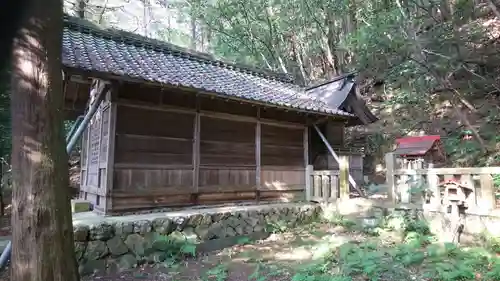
(424, 149)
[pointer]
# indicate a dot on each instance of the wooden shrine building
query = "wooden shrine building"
(420, 152)
(180, 128)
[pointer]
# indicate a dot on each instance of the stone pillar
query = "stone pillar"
(390, 166)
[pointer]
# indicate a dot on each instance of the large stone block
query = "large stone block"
(95, 250)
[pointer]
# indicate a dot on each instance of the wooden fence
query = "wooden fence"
(327, 185)
(423, 185)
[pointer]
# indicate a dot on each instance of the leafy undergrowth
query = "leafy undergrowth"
(417, 257)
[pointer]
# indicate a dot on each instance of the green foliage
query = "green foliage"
(496, 182)
(218, 273)
(279, 226)
(243, 240)
(175, 248)
(462, 152)
(369, 261)
(338, 219)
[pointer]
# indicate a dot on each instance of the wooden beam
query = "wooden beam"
(258, 154)
(211, 114)
(104, 75)
(338, 159)
(136, 166)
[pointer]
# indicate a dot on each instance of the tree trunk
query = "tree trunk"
(42, 232)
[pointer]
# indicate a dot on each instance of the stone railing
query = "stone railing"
(409, 185)
(117, 243)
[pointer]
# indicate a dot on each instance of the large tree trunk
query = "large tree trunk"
(42, 232)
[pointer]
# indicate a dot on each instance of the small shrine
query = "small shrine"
(420, 152)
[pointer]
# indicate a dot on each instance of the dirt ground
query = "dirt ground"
(322, 251)
(273, 259)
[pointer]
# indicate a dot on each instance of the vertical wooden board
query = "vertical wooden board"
(94, 149)
(308, 179)
(344, 177)
(334, 187)
(326, 185)
(110, 126)
(317, 186)
(122, 179)
(258, 172)
(104, 142)
(196, 150)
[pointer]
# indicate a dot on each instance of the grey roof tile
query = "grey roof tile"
(90, 48)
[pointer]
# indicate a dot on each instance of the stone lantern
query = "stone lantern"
(454, 201)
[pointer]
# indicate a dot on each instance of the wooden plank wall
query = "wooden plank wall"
(283, 165)
(153, 158)
(227, 160)
(177, 149)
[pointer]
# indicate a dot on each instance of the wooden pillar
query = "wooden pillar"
(112, 115)
(309, 175)
(257, 156)
(390, 166)
(344, 177)
(196, 150)
(307, 169)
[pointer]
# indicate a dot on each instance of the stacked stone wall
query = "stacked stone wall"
(124, 244)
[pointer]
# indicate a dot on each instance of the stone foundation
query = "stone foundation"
(117, 243)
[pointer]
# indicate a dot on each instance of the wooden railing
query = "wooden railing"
(326, 186)
(424, 185)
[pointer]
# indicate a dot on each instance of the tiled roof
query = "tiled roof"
(91, 48)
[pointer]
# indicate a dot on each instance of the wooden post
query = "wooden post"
(257, 156)
(111, 148)
(390, 166)
(309, 173)
(344, 177)
(488, 200)
(196, 149)
(326, 187)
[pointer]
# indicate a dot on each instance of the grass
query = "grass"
(417, 256)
